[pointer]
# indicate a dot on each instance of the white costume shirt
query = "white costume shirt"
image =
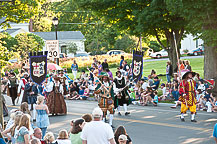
(21, 85)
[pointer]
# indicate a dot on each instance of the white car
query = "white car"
(162, 53)
(115, 52)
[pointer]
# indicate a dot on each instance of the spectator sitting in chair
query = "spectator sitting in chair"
(156, 83)
(164, 90)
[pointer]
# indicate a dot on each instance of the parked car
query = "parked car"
(82, 54)
(197, 51)
(162, 53)
(115, 52)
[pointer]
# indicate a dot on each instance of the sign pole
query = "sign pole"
(58, 43)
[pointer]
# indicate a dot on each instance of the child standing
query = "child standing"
(42, 120)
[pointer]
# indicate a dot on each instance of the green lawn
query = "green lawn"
(197, 65)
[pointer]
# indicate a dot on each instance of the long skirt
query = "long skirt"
(13, 94)
(56, 103)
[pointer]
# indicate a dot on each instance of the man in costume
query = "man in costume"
(22, 83)
(64, 82)
(106, 95)
(121, 95)
(188, 95)
(31, 93)
(12, 86)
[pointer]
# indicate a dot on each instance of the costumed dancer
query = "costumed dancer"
(188, 94)
(65, 84)
(12, 86)
(106, 95)
(55, 101)
(31, 93)
(21, 87)
(121, 95)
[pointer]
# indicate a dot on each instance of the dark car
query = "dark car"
(197, 51)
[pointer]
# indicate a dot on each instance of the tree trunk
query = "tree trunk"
(1, 105)
(172, 53)
(171, 47)
(210, 65)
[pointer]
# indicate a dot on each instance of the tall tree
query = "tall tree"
(42, 21)
(19, 11)
(202, 16)
(142, 17)
(125, 43)
(98, 35)
(5, 55)
(28, 42)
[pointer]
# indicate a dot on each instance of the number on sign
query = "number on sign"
(55, 53)
(50, 54)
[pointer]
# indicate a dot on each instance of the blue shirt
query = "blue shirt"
(215, 131)
(74, 67)
(121, 62)
(156, 83)
(155, 99)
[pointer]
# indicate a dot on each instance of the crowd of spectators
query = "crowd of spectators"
(90, 129)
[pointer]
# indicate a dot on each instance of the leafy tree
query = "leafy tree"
(142, 17)
(28, 42)
(5, 55)
(42, 22)
(203, 24)
(19, 11)
(155, 46)
(99, 36)
(9, 41)
(72, 47)
(125, 43)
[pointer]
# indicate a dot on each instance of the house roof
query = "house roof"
(4, 18)
(10, 31)
(61, 35)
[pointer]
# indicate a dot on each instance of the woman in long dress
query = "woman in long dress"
(55, 101)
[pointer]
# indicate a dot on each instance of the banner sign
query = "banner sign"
(137, 65)
(53, 48)
(38, 67)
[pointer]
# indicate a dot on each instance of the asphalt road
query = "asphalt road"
(186, 57)
(145, 125)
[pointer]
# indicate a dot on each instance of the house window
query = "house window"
(63, 49)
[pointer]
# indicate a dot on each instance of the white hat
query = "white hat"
(97, 112)
(122, 137)
(26, 74)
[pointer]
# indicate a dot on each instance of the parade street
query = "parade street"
(145, 125)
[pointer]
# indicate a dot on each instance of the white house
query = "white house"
(189, 43)
(65, 38)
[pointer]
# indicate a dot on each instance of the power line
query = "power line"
(74, 11)
(80, 23)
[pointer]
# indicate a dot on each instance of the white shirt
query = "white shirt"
(63, 141)
(97, 132)
(144, 85)
(21, 85)
(164, 91)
